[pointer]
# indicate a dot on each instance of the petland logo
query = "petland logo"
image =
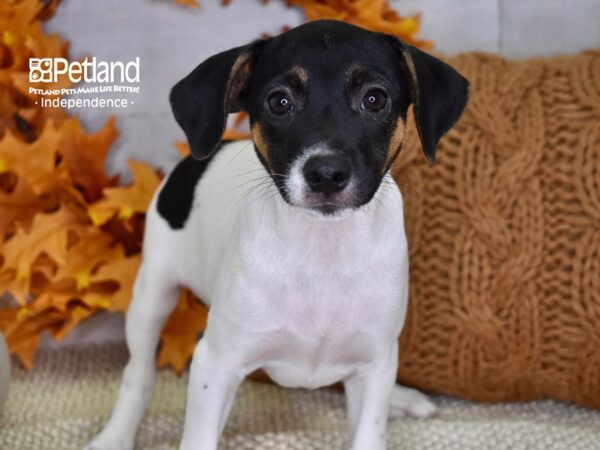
(48, 70)
(105, 84)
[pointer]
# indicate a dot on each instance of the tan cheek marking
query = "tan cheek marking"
(260, 143)
(395, 142)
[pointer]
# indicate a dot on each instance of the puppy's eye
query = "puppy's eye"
(374, 100)
(280, 103)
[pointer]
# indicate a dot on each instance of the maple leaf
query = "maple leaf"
(182, 148)
(231, 134)
(55, 296)
(76, 314)
(35, 161)
(93, 248)
(8, 105)
(121, 271)
(126, 201)
(18, 207)
(23, 37)
(128, 233)
(84, 156)
(19, 15)
(48, 235)
(180, 333)
(23, 331)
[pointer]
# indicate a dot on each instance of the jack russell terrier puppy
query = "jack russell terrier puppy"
(298, 247)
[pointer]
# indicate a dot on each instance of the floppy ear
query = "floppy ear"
(439, 95)
(202, 100)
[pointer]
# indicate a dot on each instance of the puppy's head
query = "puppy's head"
(327, 103)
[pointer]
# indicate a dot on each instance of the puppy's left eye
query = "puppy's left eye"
(280, 103)
(374, 100)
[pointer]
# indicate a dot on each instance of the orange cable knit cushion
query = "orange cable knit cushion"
(504, 237)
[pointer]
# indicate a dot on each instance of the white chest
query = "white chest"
(316, 299)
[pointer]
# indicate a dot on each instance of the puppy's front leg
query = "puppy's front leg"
(211, 392)
(368, 400)
(155, 295)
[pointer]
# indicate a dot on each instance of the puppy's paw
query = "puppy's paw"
(107, 442)
(410, 402)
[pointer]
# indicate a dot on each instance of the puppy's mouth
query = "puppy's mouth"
(326, 205)
(328, 209)
(323, 205)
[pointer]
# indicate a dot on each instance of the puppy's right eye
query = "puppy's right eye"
(374, 100)
(280, 103)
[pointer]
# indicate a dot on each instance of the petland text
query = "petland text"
(48, 70)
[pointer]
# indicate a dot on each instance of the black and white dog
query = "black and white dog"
(298, 247)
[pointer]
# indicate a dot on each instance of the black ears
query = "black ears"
(202, 100)
(439, 95)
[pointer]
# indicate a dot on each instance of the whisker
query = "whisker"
(236, 155)
(261, 178)
(249, 171)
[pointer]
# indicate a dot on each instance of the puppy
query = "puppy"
(298, 247)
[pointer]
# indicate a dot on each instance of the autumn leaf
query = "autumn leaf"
(23, 332)
(48, 235)
(42, 272)
(231, 134)
(18, 208)
(180, 333)
(126, 201)
(93, 248)
(84, 156)
(76, 314)
(19, 15)
(55, 296)
(182, 148)
(23, 328)
(34, 161)
(123, 272)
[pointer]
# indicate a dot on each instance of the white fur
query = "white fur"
(310, 300)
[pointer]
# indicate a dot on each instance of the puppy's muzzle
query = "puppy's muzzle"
(327, 174)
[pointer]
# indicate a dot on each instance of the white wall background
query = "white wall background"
(172, 40)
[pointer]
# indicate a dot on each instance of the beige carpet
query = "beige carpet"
(63, 402)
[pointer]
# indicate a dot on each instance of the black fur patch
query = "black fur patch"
(176, 198)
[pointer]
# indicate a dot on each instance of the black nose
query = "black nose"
(327, 173)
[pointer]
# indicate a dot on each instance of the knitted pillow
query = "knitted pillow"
(504, 237)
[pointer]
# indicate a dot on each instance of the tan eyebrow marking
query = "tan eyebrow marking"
(353, 71)
(301, 73)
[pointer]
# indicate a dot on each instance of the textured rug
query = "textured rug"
(64, 401)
